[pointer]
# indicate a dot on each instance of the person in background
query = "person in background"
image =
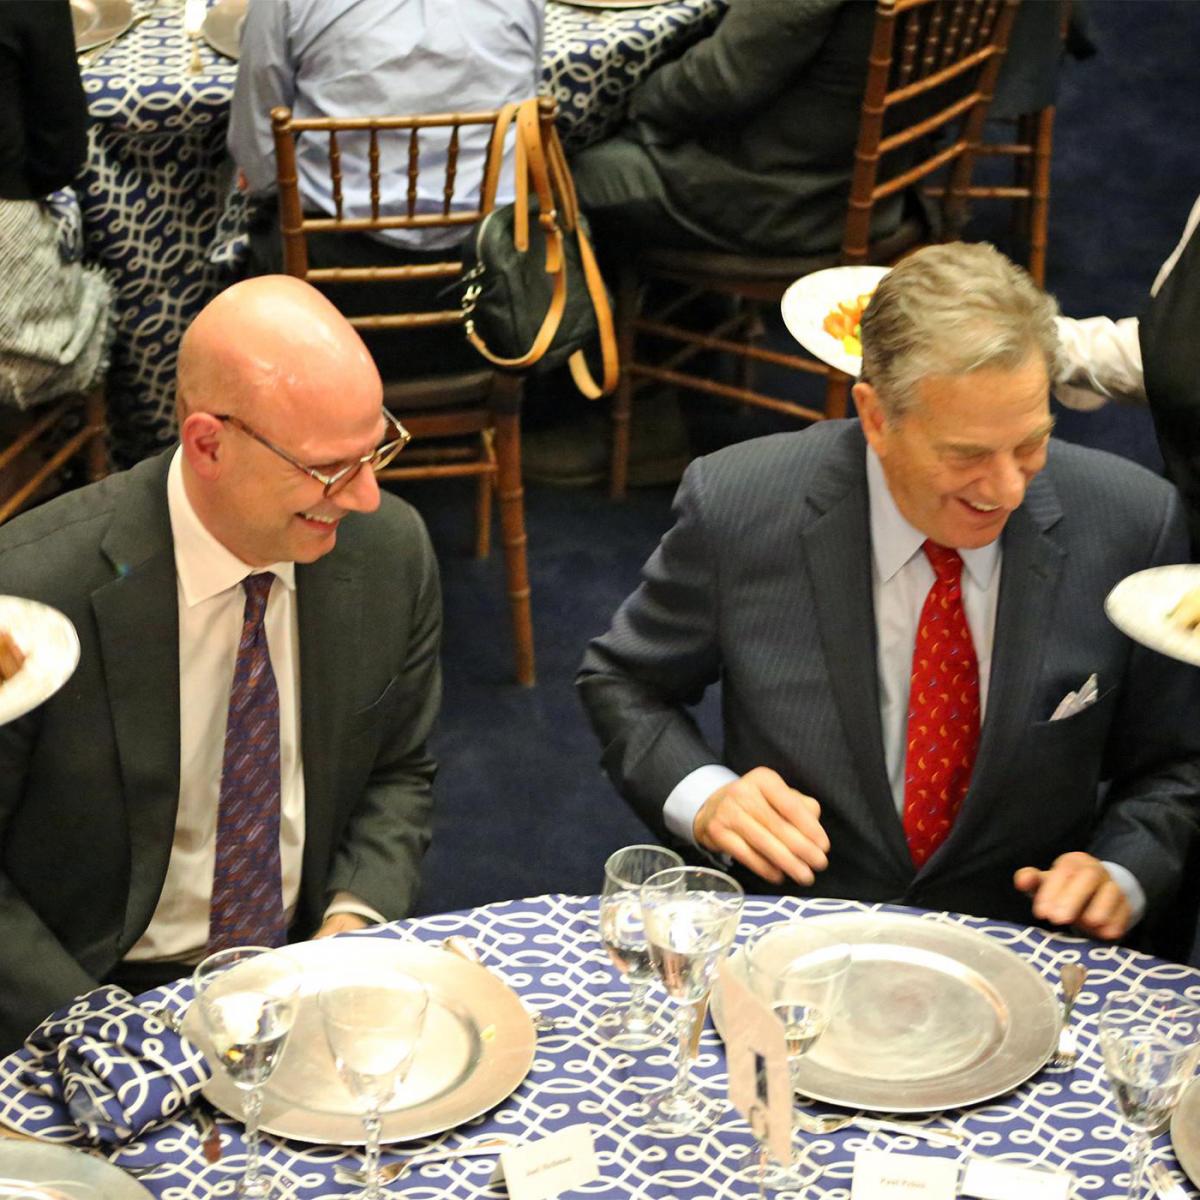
(922, 699)
(55, 315)
(240, 756)
(1149, 360)
(380, 58)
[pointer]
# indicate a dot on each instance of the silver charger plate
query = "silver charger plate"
(934, 1016)
(99, 21)
(477, 1046)
(51, 648)
(222, 28)
(67, 1172)
(1185, 1131)
(809, 300)
(1139, 606)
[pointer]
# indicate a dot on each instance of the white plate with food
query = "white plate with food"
(1147, 607)
(822, 312)
(934, 1015)
(477, 1046)
(51, 648)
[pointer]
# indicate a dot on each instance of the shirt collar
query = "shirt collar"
(205, 567)
(894, 541)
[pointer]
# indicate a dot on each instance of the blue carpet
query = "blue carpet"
(522, 805)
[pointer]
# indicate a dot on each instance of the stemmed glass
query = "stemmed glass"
(799, 969)
(248, 998)
(373, 1025)
(690, 915)
(631, 1026)
(1150, 1042)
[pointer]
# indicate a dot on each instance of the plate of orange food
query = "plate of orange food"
(823, 312)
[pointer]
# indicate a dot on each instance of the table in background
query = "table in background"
(547, 949)
(157, 176)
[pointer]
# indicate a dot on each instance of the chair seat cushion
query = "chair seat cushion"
(428, 393)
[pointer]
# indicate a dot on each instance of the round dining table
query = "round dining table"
(156, 192)
(547, 950)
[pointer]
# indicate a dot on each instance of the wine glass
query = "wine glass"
(373, 1025)
(798, 969)
(631, 1026)
(690, 915)
(248, 996)
(1150, 1041)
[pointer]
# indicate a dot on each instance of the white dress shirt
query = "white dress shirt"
(1102, 359)
(211, 610)
(901, 577)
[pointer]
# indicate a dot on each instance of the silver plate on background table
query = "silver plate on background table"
(477, 1046)
(1185, 1131)
(51, 648)
(222, 28)
(934, 1015)
(99, 21)
(68, 1172)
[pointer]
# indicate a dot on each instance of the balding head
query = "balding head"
(275, 354)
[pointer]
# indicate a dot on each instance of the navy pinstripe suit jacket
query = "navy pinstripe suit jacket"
(764, 584)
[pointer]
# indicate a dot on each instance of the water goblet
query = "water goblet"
(690, 916)
(798, 969)
(631, 1026)
(248, 996)
(1150, 1042)
(373, 1025)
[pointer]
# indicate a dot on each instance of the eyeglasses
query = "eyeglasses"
(396, 437)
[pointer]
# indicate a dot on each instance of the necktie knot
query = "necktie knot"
(947, 563)
(258, 588)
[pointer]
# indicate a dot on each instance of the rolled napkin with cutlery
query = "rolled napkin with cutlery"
(114, 1069)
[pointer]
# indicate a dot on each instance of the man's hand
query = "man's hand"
(1077, 890)
(767, 826)
(340, 923)
(11, 658)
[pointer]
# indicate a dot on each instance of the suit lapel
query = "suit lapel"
(840, 576)
(1031, 568)
(332, 640)
(137, 617)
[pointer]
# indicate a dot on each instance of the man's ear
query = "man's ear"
(201, 437)
(870, 413)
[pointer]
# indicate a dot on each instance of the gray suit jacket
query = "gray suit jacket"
(764, 583)
(89, 782)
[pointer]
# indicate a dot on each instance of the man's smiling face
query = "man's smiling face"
(958, 462)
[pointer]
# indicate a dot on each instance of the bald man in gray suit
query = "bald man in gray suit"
(794, 575)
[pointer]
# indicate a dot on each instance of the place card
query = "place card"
(989, 1179)
(760, 1087)
(550, 1166)
(883, 1175)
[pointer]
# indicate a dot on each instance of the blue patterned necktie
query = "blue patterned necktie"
(247, 893)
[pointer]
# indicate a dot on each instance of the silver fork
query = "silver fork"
(487, 1145)
(823, 1125)
(1071, 975)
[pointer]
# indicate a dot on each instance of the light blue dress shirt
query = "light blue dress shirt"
(901, 577)
(343, 58)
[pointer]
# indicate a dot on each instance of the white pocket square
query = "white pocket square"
(1076, 702)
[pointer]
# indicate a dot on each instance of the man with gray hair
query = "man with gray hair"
(922, 700)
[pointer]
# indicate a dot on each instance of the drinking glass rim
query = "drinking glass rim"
(628, 884)
(659, 883)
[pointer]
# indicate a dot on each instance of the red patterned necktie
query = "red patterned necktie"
(943, 710)
(247, 894)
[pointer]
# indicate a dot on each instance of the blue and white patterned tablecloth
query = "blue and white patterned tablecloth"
(157, 177)
(547, 949)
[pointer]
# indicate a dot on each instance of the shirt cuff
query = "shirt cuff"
(348, 902)
(688, 796)
(1125, 879)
